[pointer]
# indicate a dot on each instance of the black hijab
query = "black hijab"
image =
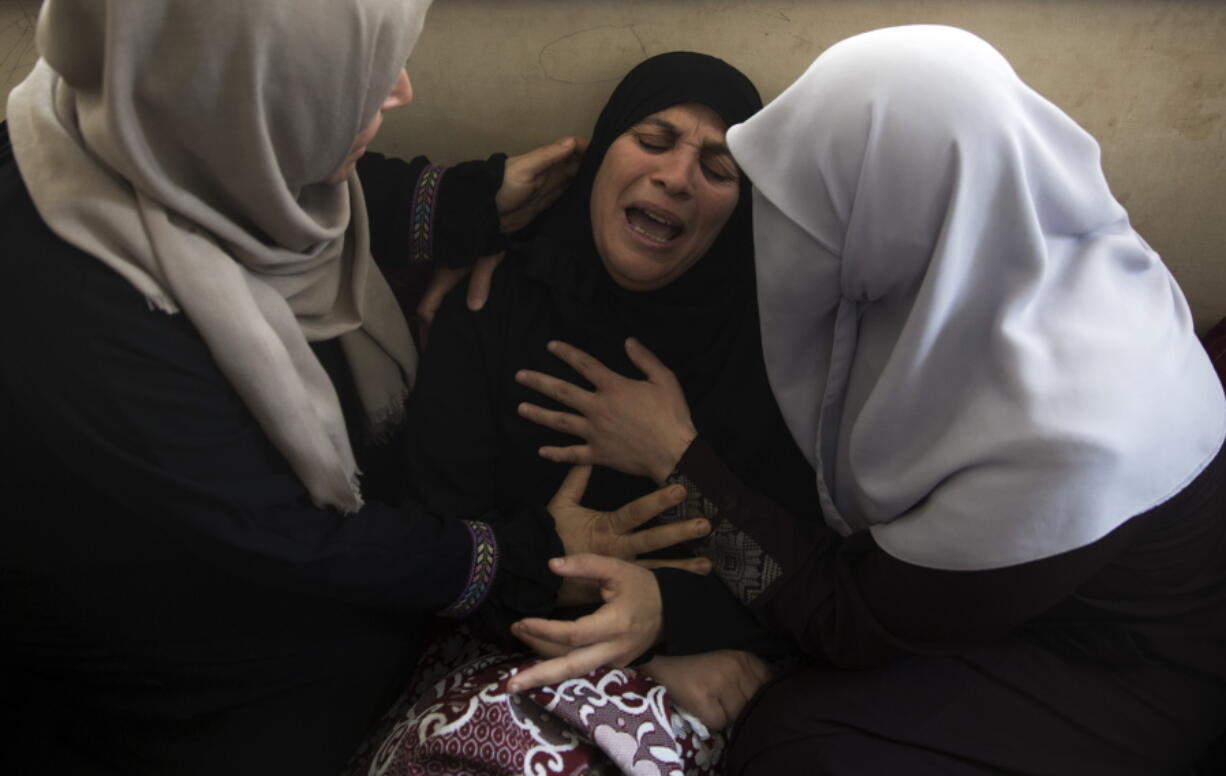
(654, 85)
(704, 324)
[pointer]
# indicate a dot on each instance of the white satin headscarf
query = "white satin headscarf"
(186, 144)
(984, 362)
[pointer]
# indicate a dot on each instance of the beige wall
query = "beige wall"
(1146, 77)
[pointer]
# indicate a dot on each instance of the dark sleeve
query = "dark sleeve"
(452, 446)
(131, 406)
(508, 577)
(526, 587)
(421, 212)
(452, 453)
(848, 600)
(702, 615)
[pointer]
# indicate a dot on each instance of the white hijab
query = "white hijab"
(984, 362)
(186, 144)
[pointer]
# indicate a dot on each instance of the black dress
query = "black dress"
(1108, 659)
(170, 600)
(470, 451)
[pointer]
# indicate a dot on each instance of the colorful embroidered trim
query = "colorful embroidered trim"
(425, 195)
(481, 575)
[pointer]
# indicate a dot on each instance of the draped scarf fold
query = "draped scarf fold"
(982, 359)
(186, 145)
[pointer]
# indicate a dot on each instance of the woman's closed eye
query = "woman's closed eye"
(655, 142)
(719, 168)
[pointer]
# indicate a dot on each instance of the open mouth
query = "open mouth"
(656, 227)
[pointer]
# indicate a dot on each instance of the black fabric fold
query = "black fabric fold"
(464, 234)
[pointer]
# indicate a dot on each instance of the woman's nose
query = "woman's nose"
(676, 172)
(402, 92)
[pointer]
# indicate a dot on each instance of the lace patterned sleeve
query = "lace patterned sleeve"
(736, 557)
(754, 542)
(846, 599)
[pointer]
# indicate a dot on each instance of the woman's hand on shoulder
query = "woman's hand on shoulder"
(640, 427)
(532, 181)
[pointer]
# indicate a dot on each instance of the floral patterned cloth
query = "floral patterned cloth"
(465, 722)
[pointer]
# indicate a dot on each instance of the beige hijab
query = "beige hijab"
(186, 144)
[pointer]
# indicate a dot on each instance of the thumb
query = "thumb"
(479, 281)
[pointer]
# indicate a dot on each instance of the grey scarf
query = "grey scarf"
(186, 145)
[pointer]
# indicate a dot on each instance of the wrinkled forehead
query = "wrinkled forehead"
(693, 122)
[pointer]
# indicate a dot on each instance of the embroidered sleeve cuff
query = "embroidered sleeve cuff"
(481, 572)
(425, 203)
(524, 586)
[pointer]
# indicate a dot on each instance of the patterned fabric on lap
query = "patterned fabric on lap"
(610, 721)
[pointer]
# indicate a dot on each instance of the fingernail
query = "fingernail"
(521, 408)
(513, 686)
(702, 526)
(557, 563)
(552, 346)
(477, 303)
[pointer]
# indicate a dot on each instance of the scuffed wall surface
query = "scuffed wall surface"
(17, 52)
(1146, 77)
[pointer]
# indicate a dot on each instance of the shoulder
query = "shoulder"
(91, 322)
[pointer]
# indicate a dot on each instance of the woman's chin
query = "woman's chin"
(640, 281)
(640, 273)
